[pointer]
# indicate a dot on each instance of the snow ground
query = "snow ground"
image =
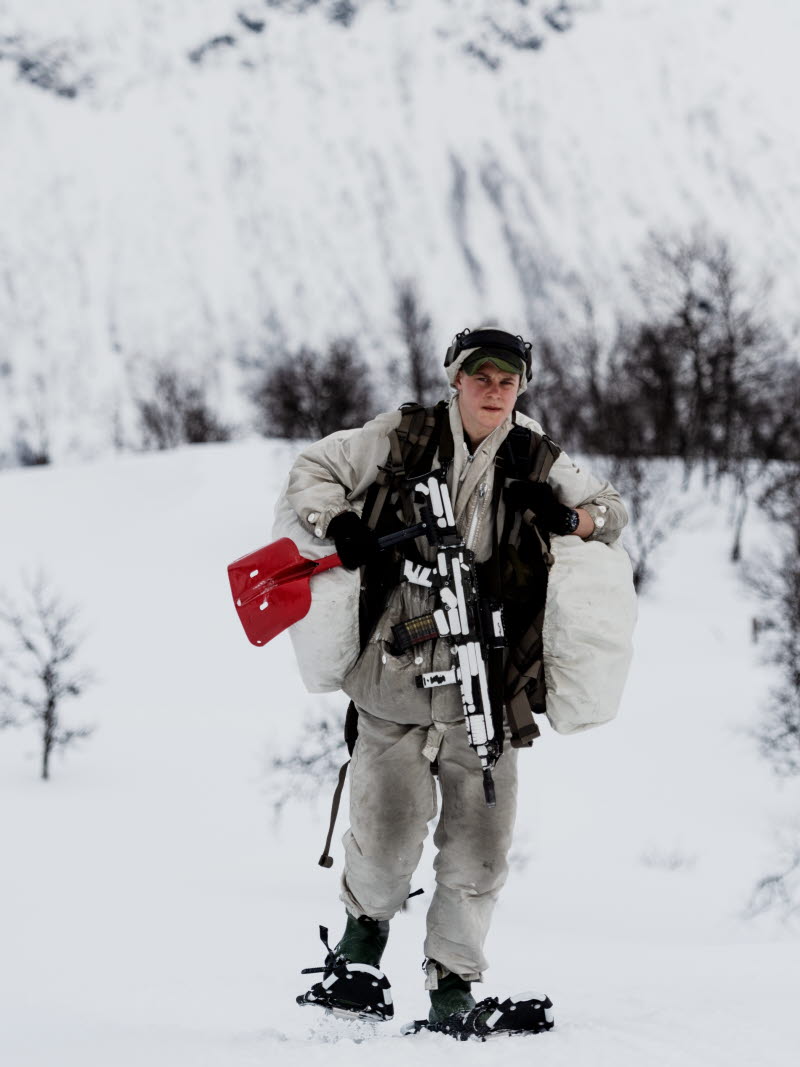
(153, 913)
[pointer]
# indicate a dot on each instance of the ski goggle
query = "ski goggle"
(513, 349)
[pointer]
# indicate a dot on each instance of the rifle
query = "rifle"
(472, 624)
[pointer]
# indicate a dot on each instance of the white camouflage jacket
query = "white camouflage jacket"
(334, 474)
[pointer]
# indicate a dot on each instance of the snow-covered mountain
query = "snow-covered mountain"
(205, 180)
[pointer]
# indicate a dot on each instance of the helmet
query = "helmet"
(506, 344)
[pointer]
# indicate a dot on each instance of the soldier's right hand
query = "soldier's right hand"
(355, 543)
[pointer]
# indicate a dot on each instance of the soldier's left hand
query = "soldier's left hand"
(538, 497)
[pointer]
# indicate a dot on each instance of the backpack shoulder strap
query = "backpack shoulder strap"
(420, 433)
(529, 455)
(412, 446)
(543, 454)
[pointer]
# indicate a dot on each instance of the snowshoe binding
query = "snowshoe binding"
(351, 989)
(525, 1013)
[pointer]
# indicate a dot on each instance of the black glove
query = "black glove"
(538, 497)
(355, 543)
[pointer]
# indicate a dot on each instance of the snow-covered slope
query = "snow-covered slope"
(273, 188)
(153, 915)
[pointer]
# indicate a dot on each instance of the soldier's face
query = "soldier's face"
(485, 399)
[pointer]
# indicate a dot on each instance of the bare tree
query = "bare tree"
(568, 387)
(709, 351)
(745, 474)
(702, 373)
(39, 675)
(423, 377)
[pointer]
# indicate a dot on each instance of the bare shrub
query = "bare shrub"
(668, 859)
(308, 394)
(38, 666)
(777, 581)
(49, 65)
(30, 449)
(32, 440)
(177, 412)
(343, 12)
(312, 759)
(779, 890)
(520, 857)
(776, 578)
(222, 40)
(652, 495)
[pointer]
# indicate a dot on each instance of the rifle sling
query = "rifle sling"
(522, 725)
(325, 859)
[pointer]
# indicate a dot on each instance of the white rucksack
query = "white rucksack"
(326, 641)
(587, 633)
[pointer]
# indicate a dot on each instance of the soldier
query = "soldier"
(512, 490)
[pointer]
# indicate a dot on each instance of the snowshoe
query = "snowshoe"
(348, 989)
(526, 1013)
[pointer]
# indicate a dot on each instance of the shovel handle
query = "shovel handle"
(408, 533)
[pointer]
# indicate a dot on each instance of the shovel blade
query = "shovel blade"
(271, 589)
(270, 586)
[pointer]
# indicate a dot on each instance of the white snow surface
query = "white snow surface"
(153, 914)
(275, 193)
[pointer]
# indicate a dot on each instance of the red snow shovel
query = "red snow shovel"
(271, 585)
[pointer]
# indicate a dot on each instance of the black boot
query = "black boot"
(363, 940)
(452, 995)
(353, 986)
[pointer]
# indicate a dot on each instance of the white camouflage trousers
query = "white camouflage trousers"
(393, 797)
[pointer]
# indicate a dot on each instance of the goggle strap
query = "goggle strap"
(490, 339)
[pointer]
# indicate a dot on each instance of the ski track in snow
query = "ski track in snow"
(153, 913)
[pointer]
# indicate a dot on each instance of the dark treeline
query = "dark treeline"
(703, 375)
(311, 393)
(702, 372)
